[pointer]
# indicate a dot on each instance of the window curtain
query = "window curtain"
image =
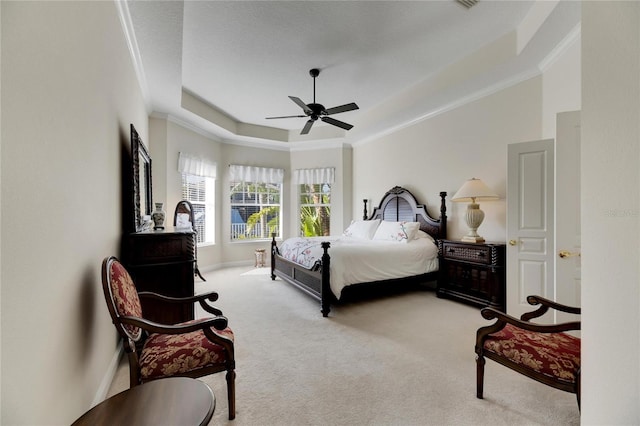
(239, 173)
(189, 164)
(314, 176)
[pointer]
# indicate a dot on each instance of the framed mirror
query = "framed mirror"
(141, 180)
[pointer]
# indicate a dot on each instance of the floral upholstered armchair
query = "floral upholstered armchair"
(545, 353)
(191, 349)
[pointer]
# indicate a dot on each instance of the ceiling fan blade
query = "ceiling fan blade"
(286, 116)
(335, 122)
(301, 104)
(342, 108)
(307, 127)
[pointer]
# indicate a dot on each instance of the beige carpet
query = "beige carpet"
(406, 359)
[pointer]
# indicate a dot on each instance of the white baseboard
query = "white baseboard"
(105, 384)
(210, 268)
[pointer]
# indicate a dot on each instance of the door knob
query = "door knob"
(512, 242)
(566, 253)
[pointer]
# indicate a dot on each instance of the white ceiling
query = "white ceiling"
(223, 66)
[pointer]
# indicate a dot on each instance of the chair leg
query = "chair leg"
(231, 393)
(578, 389)
(199, 274)
(480, 361)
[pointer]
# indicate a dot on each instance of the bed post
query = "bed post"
(273, 256)
(364, 216)
(325, 295)
(443, 216)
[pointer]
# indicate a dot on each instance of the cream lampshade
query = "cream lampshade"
(472, 190)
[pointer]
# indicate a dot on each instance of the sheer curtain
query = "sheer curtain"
(314, 176)
(190, 164)
(238, 173)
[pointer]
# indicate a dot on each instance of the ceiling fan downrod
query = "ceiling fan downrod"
(314, 72)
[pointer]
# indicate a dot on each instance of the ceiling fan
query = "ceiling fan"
(315, 111)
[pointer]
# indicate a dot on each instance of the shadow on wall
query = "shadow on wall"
(127, 223)
(87, 313)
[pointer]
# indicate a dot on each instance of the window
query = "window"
(198, 187)
(256, 202)
(315, 209)
(200, 192)
(315, 200)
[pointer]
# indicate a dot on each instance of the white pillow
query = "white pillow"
(422, 234)
(362, 229)
(397, 231)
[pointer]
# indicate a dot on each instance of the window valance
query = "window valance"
(314, 176)
(190, 164)
(239, 173)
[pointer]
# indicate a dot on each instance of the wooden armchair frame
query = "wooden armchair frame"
(185, 207)
(523, 323)
(133, 342)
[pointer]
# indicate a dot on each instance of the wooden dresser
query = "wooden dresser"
(472, 273)
(162, 262)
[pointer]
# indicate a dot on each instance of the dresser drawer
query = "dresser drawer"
(469, 253)
(144, 248)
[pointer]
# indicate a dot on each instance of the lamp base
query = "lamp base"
(468, 239)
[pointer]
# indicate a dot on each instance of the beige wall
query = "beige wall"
(69, 93)
(561, 86)
(440, 153)
(610, 213)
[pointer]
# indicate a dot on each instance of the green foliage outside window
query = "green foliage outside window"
(315, 210)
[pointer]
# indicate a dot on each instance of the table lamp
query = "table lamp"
(472, 190)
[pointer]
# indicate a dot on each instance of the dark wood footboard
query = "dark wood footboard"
(314, 281)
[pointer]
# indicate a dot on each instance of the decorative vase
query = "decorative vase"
(158, 216)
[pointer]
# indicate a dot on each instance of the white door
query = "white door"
(568, 212)
(530, 223)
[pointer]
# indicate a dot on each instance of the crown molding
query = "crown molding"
(134, 51)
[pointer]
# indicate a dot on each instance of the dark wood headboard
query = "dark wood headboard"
(398, 204)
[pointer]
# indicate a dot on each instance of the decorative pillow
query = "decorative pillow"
(362, 229)
(397, 231)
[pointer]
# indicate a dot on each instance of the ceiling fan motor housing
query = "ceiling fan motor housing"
(316, 111)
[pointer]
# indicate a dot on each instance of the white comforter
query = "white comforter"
(359, 261)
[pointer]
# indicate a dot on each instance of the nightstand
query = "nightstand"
(472, 273)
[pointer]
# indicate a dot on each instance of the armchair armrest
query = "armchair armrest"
(202, 299)
(504, 319)
(545, 304)
(219, 323)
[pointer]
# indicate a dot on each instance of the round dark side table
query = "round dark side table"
(170, 401)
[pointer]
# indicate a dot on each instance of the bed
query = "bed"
(395, 244)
